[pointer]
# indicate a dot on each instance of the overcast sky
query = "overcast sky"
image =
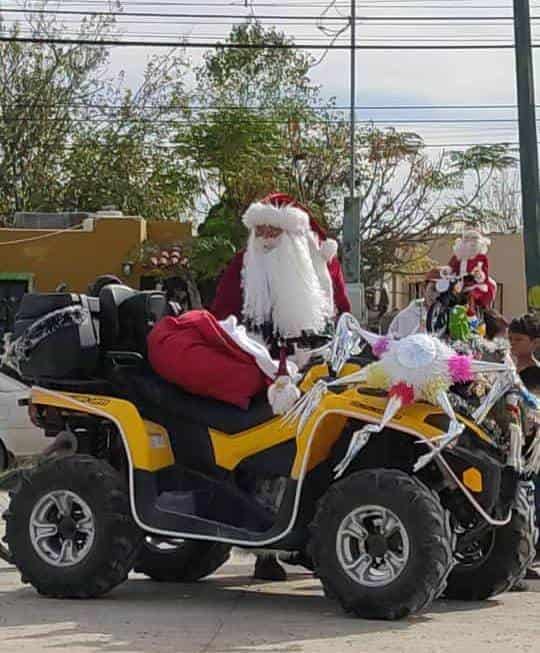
(385, 77)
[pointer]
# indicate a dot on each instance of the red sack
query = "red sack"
(194, 352)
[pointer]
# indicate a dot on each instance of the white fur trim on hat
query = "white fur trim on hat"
(288, 218)
(329, 249)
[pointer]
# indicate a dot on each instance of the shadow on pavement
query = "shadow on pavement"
(225, 614)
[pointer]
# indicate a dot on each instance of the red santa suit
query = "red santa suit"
(479, 285)
(238, 293)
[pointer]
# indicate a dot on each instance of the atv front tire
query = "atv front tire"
(382, 544)
(499, 560)
(185, 562)
(69, 528)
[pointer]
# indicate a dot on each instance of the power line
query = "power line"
(293, 119)
(367, 40)
(319, 107)
(433, 4)
(266, 120)
(449, 40)
(382, 19)
(248, 46)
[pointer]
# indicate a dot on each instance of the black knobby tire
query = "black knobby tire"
(185, 562)
(427, 526)
(116, 537)
(509, 551)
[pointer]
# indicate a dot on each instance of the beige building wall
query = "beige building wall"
(507, 266)
(50, 257)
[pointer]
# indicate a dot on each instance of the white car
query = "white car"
(17, 433)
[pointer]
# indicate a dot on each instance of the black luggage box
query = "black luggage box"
(56, 336)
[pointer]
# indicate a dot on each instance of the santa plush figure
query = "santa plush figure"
(287, 285)
(470, 261)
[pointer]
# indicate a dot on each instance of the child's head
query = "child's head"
(496, 324)
(524, 335)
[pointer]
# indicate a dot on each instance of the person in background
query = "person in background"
(470, 261)
(524, 336)
(496, 324)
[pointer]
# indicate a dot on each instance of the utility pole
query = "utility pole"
(353, 97)
(528, 149)
(351, 220)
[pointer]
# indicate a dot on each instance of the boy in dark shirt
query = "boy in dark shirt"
(524, 336)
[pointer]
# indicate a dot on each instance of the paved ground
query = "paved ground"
(230, 614)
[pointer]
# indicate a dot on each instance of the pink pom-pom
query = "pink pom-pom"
(154, 261)
(381, 346)
(460, 368)
(404, 392)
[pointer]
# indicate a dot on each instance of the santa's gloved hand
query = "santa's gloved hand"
(478, 274)
(282, 395)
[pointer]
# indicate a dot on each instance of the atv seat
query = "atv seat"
(159, 400)
(126, 318)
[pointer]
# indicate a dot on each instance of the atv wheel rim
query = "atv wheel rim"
(476, 553)
(372, 546)
(62, 528)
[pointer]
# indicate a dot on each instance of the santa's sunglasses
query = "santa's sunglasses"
(266, 231)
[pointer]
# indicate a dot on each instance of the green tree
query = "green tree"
(39, 87)
(124, 156)
(71, 137)
(261, 133)
(266, 131)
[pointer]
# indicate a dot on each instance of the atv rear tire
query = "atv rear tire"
(382, 544)
(69, 528)
(509, 551)
(185, 562)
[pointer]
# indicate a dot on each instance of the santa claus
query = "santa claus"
(287, 285)
(470, 262)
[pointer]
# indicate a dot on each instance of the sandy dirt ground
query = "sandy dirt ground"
(230, 613)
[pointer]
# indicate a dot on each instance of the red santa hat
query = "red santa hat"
(284, 212)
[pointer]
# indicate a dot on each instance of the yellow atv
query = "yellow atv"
(146, 476)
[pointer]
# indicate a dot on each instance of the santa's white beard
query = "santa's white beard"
(288, 286)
